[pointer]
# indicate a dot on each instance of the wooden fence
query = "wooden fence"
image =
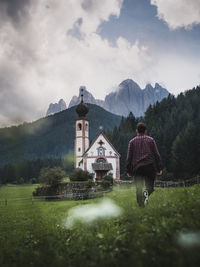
(66, 196)
(164, 184)
(160, 183)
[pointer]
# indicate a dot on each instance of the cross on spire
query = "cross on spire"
(81, 95)
(101, 143)
(101, 128)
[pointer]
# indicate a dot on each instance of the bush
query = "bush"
(124, 177)
(51, 176)
(34, 181)
(90, 183)
(166, 176)
(80, 175)
(107, 181)
(20, 180)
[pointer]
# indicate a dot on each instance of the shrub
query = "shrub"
(34, 181)
(90, 183)
(166, 176)
(80, 175)
(124, 177)
(20, 180)
(51, 176)
(107, 181)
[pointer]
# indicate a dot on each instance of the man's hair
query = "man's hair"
(141, 127)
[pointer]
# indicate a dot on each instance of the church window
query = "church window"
(101, 160)
(79, 149)
(86, 127)
(79, 126)
(101, 151)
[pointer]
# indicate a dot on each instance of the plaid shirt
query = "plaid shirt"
(142, 151)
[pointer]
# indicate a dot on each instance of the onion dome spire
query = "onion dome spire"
(82, 108)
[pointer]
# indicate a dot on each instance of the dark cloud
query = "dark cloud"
(15, 9)
(86, 4)
(75, 31)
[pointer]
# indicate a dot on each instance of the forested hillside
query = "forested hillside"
(50, 137)
(175, 125)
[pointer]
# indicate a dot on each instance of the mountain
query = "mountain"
(52, 136)
(154, 94)
(128, 97)
(88, 98)
(131, 98)
(57, 107)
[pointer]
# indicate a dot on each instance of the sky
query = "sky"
(49, 48)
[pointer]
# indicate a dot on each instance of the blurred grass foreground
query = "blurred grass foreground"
(109, 231)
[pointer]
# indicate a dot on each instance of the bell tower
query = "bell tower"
(82, 133)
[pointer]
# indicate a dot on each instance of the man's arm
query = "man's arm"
(157, 157)
(129, 159)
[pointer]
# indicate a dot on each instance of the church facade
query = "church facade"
(100, 157)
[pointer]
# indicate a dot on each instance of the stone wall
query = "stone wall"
(72, 190)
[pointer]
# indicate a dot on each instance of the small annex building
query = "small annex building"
(100, 157)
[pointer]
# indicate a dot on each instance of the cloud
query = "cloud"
(49, 48)
(42, 60)
(176, 72)
(178, 13)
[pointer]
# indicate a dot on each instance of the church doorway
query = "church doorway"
(101, 168)
(100, 174)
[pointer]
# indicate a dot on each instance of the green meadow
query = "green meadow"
(164, 233)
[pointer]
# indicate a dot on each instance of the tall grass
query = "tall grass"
(164, 233)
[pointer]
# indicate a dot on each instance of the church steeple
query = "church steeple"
(82, 133)
(82, 108)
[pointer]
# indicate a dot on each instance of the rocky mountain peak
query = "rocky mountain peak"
(157, 85)
(148, 87)
(56, 107)
(129, 84)
(88, 97)
(62, 104)
(128, 97)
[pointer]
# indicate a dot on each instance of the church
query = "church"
(100, 157)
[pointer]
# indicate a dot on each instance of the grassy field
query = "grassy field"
(165, 233)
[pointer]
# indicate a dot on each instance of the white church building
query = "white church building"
(99, 157)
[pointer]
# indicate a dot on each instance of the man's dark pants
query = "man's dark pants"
(144, 176)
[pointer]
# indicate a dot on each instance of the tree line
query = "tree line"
(28, 171)
(174, 123)
(49, 137)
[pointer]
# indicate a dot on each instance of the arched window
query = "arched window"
(101, 151)
(79, 127)
(86, 127)
(101, 160)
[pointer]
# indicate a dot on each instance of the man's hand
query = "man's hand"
(159, 173)
(129, 176)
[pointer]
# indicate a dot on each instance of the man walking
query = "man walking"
(143, 162)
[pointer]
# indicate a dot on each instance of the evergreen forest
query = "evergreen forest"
(174, 123)
(47, 142)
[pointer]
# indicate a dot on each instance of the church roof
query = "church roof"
(82, 108)
(106, 140)
(102, 166)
